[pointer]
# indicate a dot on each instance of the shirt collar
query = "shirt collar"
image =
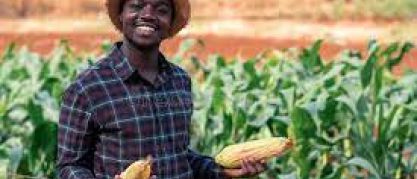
(124, 69)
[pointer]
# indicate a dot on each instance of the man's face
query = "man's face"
(146, 22)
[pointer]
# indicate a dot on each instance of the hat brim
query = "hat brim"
(181, 16)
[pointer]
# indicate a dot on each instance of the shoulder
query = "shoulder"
(179, 72)
(92, 75)
(181, 77)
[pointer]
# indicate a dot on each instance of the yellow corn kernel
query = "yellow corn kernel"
(263, 149)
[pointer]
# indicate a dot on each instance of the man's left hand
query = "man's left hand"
(249, 167)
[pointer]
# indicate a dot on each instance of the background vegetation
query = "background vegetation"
(350, 117)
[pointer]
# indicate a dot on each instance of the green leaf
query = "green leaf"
(349, 103)
(3, 153)
(46, 130)
(303, 124)
(362, 107)
(373, 47)
(15, 157)
(53, 86)
(220, 62)
(278, 125)
(262, 116)
(395, 61)
(24, 167)
(106, 46)
(311, 58)
(3, 168)
(378, 81)
(9, 52)
(227, 127)
(327, 115)
(217, 100)
(240, 121)
(186, 46)
(367, 71)
(35, 113)
(360, 162)
(393, 47)
(250, 131)
(249, 67)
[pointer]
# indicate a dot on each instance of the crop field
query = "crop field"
(350, 117)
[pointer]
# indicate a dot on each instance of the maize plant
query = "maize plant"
(349, 118)
(30, 91)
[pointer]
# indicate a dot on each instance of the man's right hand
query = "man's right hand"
(118, 176)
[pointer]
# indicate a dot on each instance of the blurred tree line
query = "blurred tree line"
(248, 9)
(28, 8)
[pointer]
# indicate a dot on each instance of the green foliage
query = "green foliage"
(350, 118)
(30, 92)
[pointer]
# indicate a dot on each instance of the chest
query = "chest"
(139, 112)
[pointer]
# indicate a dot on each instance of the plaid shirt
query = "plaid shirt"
(111, 117)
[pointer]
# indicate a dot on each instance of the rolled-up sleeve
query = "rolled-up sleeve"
(75, 136)
(204, 166)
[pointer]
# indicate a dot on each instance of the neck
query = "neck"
(144, 59)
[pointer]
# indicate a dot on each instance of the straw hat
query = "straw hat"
(182, 14)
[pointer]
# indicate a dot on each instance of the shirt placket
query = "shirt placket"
(158, 102)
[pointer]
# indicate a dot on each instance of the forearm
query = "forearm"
(204, 167)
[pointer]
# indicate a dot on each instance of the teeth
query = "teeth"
(146, 28)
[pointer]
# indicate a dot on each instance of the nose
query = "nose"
(148, 13)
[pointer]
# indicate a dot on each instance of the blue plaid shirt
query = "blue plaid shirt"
(111, 117)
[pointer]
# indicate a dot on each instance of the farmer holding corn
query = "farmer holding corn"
(133, 103)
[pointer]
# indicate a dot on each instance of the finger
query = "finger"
(249, 166)
(117, 177)
(260, 167)
(153, 177)
(243, 169)
(257, 165)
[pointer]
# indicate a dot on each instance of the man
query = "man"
(134, 103)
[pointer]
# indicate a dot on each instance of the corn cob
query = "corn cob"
(138, 170)
(262, 149)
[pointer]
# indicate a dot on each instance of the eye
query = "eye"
(136, 6)
(163, 10)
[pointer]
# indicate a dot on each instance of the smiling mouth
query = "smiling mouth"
(146, 28)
